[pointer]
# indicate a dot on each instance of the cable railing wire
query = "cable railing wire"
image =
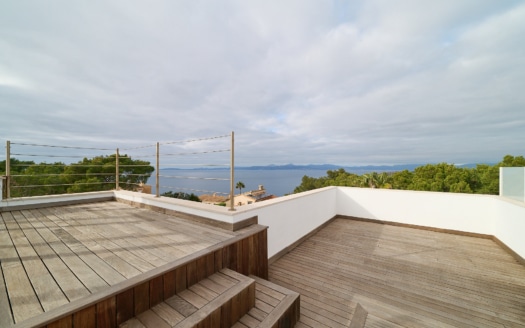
(55, 146)
(124, 170)
(194, 140)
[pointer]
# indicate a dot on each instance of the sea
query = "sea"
(209, 181)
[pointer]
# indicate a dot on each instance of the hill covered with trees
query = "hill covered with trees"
(443, 177)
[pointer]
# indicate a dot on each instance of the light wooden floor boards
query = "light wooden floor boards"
(52, 256)
(403, 277)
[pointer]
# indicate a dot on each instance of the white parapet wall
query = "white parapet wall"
(291, 217)
(54, 200)
(217, 213)
(452, 211)
(479, 214)
(509, 224)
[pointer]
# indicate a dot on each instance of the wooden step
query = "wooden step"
(275, 306)
(217, 301)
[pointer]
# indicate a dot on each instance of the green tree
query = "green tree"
(239, 186)
(182, 195)
(511, 161)
(101, 171)
(98, 173)
(376, 180)
(402, 179)
(308, 183)
(443, 177)
(487, 177)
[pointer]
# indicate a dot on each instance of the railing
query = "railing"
(100, 169)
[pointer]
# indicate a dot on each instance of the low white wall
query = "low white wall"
(55, 199)
(482, 214)
(289, 218)
(463, 212)
(214, 212)
(509, 224)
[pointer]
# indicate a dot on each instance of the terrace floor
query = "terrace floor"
(403, 277)
(52, 256)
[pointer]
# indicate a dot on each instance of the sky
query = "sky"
(298, 81)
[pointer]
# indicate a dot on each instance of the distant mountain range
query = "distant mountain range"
(326, 167)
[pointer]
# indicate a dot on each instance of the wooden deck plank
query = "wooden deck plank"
(203, 292)
(7, 254)
(414, 284)
(103, 247)
(6, 319)
(88, 233)
(192, 298)
(23, 300)
(404, 277)
(73, 251)
(150, 319)
(89, 278)
(210, 284)
(445, 280)
(45, 287)
(132, 323)
(168, 313)
(249, 321)
(65, 278)
(181, 305)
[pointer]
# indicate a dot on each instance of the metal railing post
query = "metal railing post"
(232, 173)
(8, 169)
(157, 168)
(2, 178)
(117, 170)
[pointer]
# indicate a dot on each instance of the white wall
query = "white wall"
(56, 199)
(482, 214)
(509, 224)
(214, 212)
(289, 218)
(464, 212)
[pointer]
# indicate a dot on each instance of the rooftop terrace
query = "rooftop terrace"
(82, 256)
(403, 277)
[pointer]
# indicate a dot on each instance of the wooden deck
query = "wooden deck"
(53, 256)
(403, 277)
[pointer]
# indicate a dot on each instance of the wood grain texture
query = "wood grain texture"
(107, 257)
(403, 277)
(85, 318)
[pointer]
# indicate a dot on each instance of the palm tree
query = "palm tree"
(375, 180)
(239, 186)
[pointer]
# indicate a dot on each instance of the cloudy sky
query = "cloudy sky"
(299, 81)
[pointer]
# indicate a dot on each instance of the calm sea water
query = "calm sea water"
(276, 182)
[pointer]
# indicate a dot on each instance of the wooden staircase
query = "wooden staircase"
(224, 299)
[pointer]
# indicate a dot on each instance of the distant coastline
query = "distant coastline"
(324, 167)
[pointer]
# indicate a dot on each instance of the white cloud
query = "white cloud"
(302, 81)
